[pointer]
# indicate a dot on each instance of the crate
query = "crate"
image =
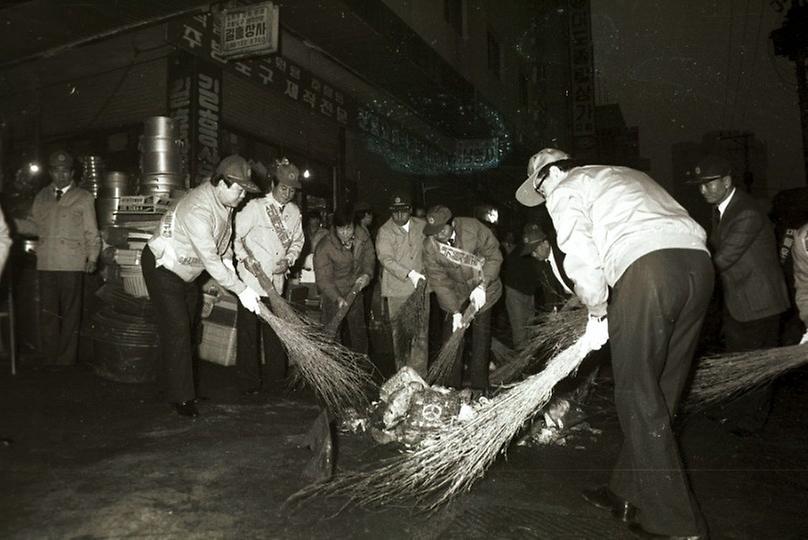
(218, 344)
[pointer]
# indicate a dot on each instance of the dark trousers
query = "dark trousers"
(176, 312)
(60, 295)
(480, 346)
(250, 332)
(353, 331)
(751, 410)
(656, 311)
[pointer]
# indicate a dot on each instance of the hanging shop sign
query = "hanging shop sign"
(249, 30)
(195, 104)
(401, 149)
(274, 72)
(583, 79)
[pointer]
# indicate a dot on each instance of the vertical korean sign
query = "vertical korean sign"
(195, 104)
(583, 80)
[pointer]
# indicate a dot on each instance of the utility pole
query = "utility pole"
(791, 41)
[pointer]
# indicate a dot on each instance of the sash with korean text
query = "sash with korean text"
(276, 220)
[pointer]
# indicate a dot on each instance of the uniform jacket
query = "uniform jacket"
(799, 253)
(400, 251)
(608, 217)
(452, 282)
(253, 227)
(67, 229)
(745, 256)
(336, 268)
(194, 236)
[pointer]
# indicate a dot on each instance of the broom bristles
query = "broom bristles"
(451, 460)
(337, 375)
(550, 333)
(410, 318)
(726, 376)
(443, 363)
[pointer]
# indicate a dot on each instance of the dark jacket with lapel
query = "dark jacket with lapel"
(745, 256)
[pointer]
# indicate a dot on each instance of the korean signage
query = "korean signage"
(249, 30)
(583, 80)
(274, 72)
(194, 102)
(475, 154)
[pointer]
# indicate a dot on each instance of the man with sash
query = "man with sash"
(272, 230)
(462, 261)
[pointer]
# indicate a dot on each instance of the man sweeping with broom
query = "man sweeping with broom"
(399, 247)
(620, 229)
(462, 261)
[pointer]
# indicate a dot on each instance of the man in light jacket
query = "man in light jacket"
(193, 237)
(399, 247)
(800, 255)
(271, 228)
(69, 245)
(619, 229)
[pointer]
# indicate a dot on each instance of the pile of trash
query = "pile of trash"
(409, 410)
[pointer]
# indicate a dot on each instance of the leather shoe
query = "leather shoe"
(604, 498)
(639, 532)
(186, 408)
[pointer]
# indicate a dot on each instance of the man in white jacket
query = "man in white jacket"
(193, 237)
(619, 229)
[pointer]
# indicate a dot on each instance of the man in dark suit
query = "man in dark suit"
(752, 284)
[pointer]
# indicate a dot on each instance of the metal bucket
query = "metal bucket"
(116, 184)
(159, 149)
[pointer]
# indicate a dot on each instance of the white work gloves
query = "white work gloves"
(804, 338)
(457, 322)
(362, 281)
(250, 300)
(477, 297)
(597, 332)
(415, 276)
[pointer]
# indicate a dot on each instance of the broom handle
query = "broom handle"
(333, 325)
(254, 267)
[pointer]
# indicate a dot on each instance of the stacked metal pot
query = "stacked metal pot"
(160, 158)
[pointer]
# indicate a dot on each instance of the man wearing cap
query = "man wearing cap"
(752, 283)
(194, 237)
(69, 245)
(344, 261)
(533, 266)
(462, 261)
(399, 247)
(272, 230)
(619, 229)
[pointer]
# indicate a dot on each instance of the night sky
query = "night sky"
(681, 68)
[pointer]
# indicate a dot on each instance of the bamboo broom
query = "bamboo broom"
(444, 362)
(550, 334)
(726, 376)
(410, 318)
(450, 461)
(339, 376)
